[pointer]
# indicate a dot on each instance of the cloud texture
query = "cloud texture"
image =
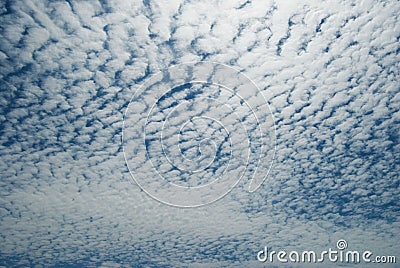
(329, 71)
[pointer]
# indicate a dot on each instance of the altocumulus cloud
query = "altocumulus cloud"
(329, 70)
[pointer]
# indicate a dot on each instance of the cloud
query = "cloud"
(69, 69)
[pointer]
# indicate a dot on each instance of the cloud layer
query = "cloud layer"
(329, 71)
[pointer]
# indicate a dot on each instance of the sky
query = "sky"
(197, 133)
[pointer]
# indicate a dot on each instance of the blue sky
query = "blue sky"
(328, 71)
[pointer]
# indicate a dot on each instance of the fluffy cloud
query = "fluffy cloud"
(68, 70)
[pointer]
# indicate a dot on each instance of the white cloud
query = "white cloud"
(68, 70)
